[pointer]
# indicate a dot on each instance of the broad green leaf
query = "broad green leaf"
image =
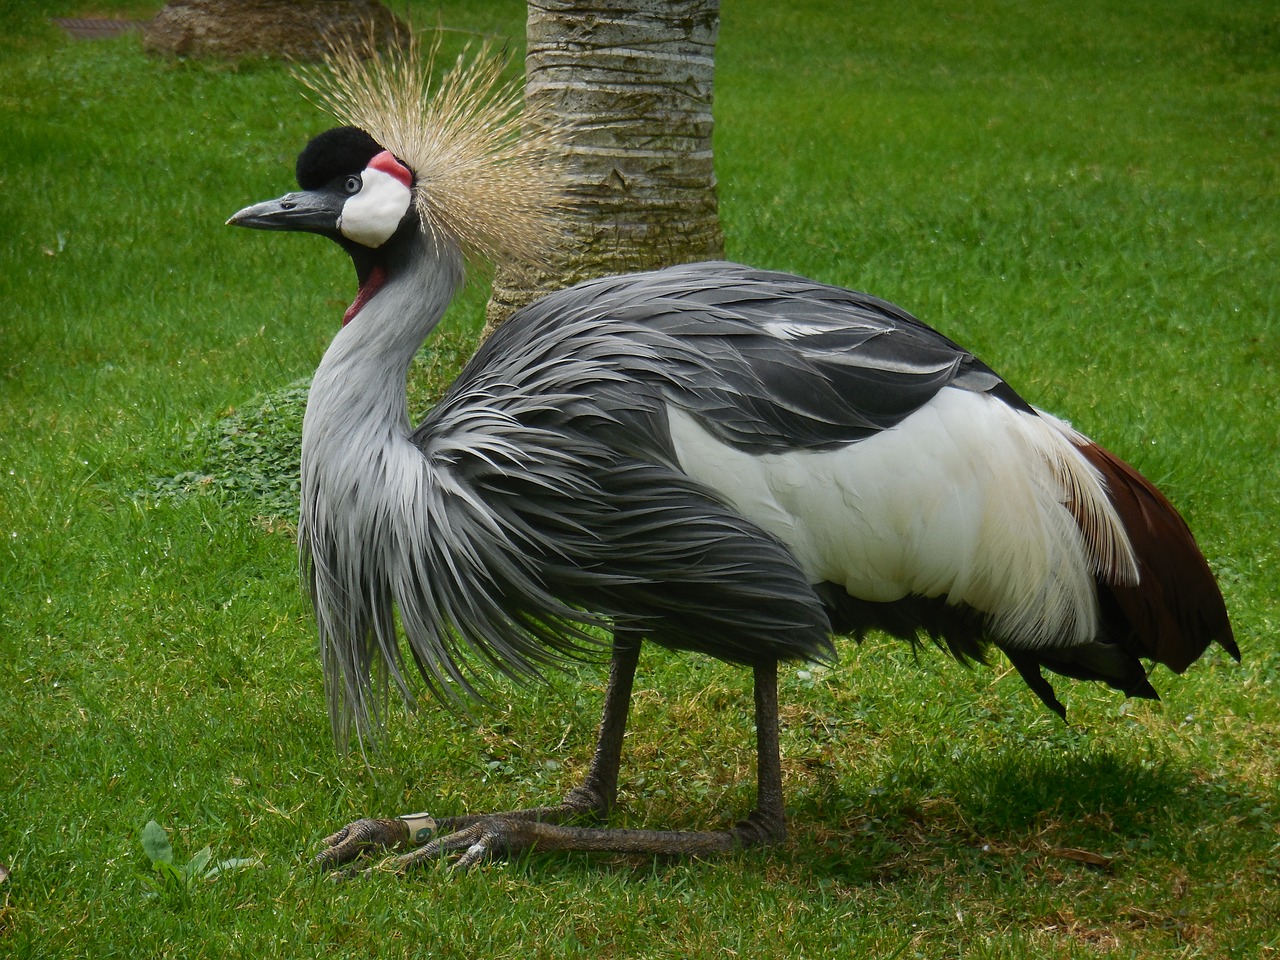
(155, 843)
(171, 873)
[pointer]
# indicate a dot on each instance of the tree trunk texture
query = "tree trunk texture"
(633, 80)
(230, 29)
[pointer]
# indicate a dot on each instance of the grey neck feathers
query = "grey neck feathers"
(362, 476)
(359, 388)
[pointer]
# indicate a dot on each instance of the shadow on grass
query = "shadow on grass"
(1095, 809)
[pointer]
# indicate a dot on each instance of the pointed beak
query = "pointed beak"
(311, 211)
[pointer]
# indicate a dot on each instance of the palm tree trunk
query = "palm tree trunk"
(633, 80)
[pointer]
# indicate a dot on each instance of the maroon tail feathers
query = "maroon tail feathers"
(1170, 615)
(1175, 610)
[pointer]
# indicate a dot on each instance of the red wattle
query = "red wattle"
(372, 284)
(387, 163)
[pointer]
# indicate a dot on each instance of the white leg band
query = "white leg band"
(422, 827)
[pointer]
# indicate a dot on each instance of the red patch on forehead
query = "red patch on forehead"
(388, 164)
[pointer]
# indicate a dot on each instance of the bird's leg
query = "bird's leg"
(506, 834)
(592, 798)
(767, 823)
(597, 794)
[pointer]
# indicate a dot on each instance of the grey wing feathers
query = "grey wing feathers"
(559, 500)
(558, 531)
(768, 361)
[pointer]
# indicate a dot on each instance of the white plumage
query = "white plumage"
(963, 500)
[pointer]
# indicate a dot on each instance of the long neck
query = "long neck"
(358, 392)
(361, 475)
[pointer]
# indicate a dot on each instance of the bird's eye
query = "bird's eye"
(352, 185)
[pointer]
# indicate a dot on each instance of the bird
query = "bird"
(714, 458)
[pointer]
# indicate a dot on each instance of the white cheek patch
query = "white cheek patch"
(372, 215)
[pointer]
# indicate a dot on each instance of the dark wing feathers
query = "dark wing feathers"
(767, 361)
(738, 596)
(577, 531)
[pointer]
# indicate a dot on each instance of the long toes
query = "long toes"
(474, 854)
(484, 841)
(469, 846)
(359, 838)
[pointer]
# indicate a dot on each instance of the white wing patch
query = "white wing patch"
(792, 329)
(965, 499)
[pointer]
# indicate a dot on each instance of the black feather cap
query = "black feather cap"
(335, 153)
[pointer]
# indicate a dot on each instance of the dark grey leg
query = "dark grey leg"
(593, 798)
(505, 834)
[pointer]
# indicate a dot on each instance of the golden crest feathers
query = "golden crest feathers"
(485, 172)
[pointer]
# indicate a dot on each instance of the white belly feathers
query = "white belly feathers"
(964, 499)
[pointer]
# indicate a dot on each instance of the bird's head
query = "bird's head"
(354, 192)
(455, 160)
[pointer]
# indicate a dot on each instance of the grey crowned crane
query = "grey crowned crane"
(711, 457)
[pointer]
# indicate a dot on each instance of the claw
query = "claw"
(360, 838)
(489, 838)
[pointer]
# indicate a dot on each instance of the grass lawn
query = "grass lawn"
(1085, 194)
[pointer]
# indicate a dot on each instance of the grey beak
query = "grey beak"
(311, 211)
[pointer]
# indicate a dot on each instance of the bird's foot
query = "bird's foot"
(760, 828)
(470, 840)
(364, 837)
(371, 837)
(487, 838)
(505, 835)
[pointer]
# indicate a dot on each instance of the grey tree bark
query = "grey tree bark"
(633, 80)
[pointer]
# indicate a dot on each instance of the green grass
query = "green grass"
(1085, 194)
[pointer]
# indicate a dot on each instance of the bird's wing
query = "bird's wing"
(562, 476)
(768, 362)
(539, 524)
(604, 403)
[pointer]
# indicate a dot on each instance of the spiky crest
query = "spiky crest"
(485, 176)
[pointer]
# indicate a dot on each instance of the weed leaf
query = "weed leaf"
(194, 870)
(155, 843)
(170, 874)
